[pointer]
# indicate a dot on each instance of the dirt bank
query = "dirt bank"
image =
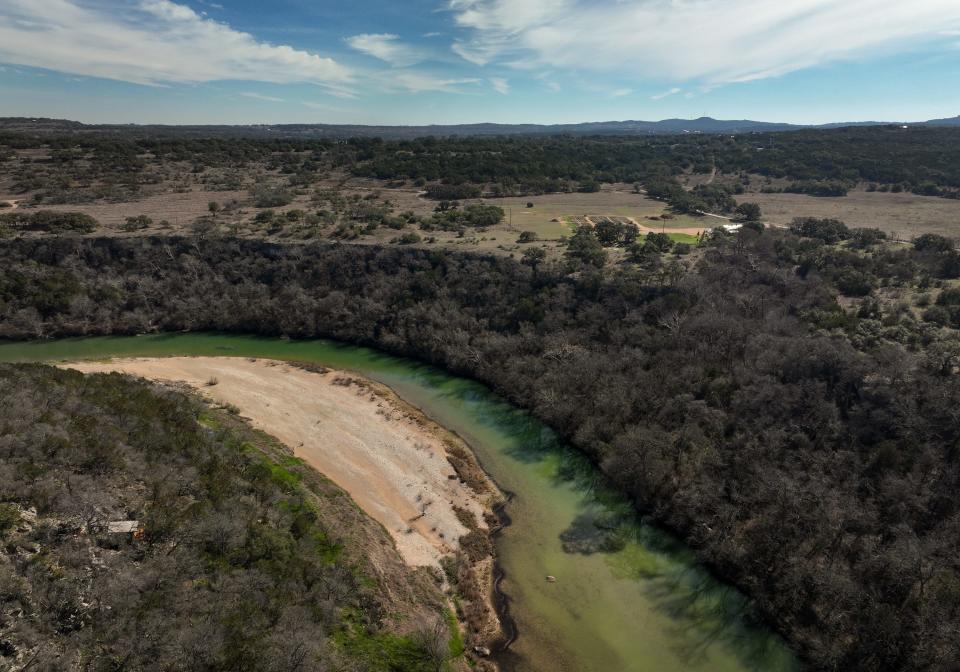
(418, 480)
(392, 464)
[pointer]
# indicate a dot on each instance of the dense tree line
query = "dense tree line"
(238, 556)
(46, 221)
(808, 452)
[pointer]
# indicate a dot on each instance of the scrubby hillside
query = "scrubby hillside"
(142, 530)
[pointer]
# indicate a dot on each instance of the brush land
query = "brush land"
(140, 525)
(779, 390)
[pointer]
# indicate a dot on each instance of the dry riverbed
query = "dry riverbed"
(415, 478)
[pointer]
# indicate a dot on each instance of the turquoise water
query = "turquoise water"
(628, 597)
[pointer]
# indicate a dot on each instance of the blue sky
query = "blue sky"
(466, 61)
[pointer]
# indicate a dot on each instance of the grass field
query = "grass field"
(622, 203)
(683, 238)
(904, 214)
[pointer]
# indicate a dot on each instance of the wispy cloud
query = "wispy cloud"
(259, 96)
(387, 47)
(416, 82)
(320, 106)
(666, 94)
(152, 42)
(737, 40)
(477, 54)
(620, 93)
(500, 85)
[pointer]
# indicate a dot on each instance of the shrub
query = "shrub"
(931, 242)
(864, 237)
(265, 217)
(854, 283)
(136, 223)
(265, 197)
(9, 518)
(528, 237)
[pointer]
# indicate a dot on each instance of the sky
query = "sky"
(467, 61)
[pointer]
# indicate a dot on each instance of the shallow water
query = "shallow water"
(628, 597)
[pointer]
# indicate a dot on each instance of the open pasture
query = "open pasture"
(906, 215)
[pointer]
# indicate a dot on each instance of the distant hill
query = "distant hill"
(663, 127)
(952, 121)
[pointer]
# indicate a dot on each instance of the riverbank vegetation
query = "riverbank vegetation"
(141, 527)
(787, 406)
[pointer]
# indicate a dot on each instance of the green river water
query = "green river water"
(628, 597)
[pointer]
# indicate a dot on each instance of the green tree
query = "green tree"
(827, 230)
(533, 257)
(609, 232)
(586, 249)
(747, 212)
(931, 242)
(658, 242)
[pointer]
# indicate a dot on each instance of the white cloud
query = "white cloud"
(666, 94)
(478, 56)
(553, 86)
(500, 85)
(620, 93)
(736, 40)
(386, 47)
(258, 96)
(416, 82)
(152, 42)
(319, 106)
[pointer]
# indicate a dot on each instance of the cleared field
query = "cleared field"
(904, 214)
(178, 209)
(549, 207)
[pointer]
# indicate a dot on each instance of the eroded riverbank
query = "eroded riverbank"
(627, 596)
(415, 478)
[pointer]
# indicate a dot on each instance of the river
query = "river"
(628, 597)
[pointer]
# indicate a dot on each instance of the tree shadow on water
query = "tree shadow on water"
(593, 532)
(705, 613)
